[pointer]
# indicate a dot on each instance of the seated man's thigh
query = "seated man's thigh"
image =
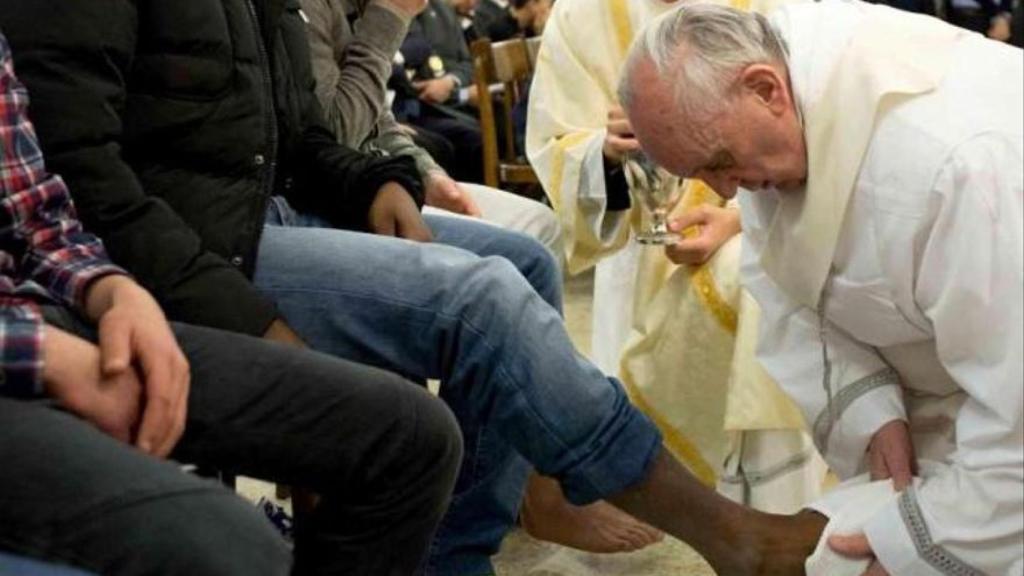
(361, 296)
(76, 496)
(278, 412)
(519, 214)
(535, 262)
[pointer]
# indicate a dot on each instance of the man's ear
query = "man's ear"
(765, 83)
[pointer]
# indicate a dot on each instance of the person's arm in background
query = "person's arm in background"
(349, 188)
(351, 71)
(1000, 15)
(75, 68)
(352, 66)
(444, 33)
(458, 62)
(439, 189)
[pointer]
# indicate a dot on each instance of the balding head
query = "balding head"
(702, 47)
(705, 86)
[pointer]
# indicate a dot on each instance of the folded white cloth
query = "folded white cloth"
(849, 507)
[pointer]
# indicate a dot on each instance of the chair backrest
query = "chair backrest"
(532, 50)
(501, 69)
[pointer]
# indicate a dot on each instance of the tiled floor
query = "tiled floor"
(523, 556)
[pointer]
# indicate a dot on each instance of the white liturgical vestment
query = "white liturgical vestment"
(909, 301)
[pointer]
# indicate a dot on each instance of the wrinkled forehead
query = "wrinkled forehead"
(674, 138)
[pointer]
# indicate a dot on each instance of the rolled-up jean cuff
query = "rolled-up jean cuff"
(623, 458)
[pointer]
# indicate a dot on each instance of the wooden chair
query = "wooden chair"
(532, 49)
(502, 69)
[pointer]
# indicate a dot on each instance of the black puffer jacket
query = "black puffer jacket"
(172, 122)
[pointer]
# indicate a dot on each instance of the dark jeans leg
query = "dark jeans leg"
(463, 131)
(439, 147)
(381, 452)
(73, 495)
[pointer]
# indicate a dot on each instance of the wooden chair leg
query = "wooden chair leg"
(283, 491)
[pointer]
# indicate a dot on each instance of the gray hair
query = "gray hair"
(700, 48)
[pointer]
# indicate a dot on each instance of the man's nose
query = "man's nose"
(723, 185)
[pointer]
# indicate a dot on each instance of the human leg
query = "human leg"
(492, 477)
(538, 266)
(463, 131)
(517, 213)
(545, 513)
(439, 147)
(433, 311)
(25, 566)
(74, 495)
(380, 452)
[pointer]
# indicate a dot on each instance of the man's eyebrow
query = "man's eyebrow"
(718, 159)
(721, 156)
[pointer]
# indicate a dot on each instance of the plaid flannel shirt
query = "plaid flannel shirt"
(45, 257)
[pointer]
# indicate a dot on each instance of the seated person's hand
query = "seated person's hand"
(714, 225)
(444, 193)
(1000, 28)
(394, 213)
(541, 13)
(473, 96)
(857, 546)
(409, 8)
(407, 130)
(619, 138)
(436, 90)
(74, 377)
(136, 341)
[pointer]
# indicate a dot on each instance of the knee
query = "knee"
(417, 444)
(542, 270)
(494, 292)
(438, 441)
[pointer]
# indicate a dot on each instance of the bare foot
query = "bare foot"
(598, 527)
(771, 545)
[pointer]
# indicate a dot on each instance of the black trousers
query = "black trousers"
(439, 147)
(463, 132)
(381, 451)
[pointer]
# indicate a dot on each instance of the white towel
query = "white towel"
(849, 507)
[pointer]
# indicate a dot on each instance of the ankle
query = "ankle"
(740, 547)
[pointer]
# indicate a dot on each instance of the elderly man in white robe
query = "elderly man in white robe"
(674, 325)
(883, 153)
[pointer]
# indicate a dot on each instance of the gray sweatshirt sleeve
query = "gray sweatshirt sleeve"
(352, 67)
(395, 142)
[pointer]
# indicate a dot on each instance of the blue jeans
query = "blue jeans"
(479, 310)
(28, 567)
